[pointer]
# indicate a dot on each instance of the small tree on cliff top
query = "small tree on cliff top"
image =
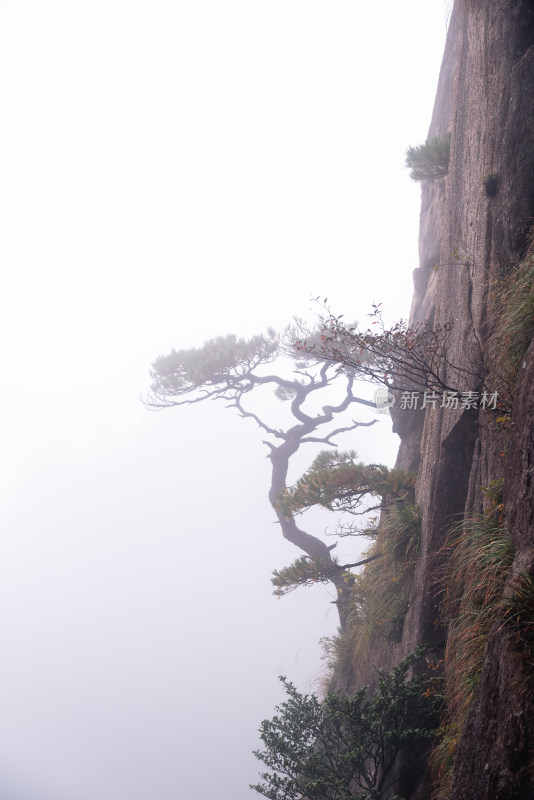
(429, 161)
(230, 369)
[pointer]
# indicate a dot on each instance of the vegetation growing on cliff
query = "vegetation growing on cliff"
(344, 747)
(373, 603)
(519, 615)
(429, 161)
(380, 593)
(480, 553)
(399, 357)
(481, 595)
(513, 324)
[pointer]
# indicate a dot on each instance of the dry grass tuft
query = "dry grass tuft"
(481, 554)
(381, 592)
(513, 330)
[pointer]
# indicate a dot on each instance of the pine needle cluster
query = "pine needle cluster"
(337, 482)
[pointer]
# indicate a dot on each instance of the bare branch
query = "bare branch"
(362, 562)
(401, 358)
(326, 439)
(236, 403)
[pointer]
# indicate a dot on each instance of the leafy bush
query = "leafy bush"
(342, 747)
(429, 161)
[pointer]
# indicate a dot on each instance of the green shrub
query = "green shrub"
(429, 161)
(344, 747)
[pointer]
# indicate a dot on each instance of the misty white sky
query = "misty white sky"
(171, 171)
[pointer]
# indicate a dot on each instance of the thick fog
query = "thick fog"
(172, 171)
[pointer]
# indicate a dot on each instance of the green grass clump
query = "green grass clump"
(481, 554)
(513, 316)
(381, 591)
(519, 615)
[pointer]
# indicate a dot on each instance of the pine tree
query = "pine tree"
(233, 369)
(429, 161)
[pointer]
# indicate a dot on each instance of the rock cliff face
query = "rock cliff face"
(468, 239)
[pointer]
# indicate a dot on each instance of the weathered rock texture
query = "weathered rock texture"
(485, 98)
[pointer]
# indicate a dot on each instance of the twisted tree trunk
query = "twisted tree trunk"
(309, 544)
